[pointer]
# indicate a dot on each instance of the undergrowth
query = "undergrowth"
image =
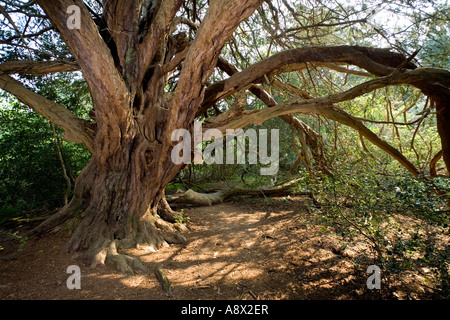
(401, 221)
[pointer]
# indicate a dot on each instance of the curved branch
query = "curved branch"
(420, 78)
(433, 162)
(380, 62)
(325, 107)
(312, 137)
(75, 129)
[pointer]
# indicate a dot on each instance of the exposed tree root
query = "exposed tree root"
(106, 251)
(166, 213)
(150, 237)
(162, 278)
(124, 263)
(97, 246)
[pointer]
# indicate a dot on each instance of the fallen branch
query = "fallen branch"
(207, 199)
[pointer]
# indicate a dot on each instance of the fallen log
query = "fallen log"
(207, 199)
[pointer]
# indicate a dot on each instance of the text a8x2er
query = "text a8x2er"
(238, 309)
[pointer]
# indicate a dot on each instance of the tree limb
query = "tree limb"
(122, 20)
(216, 28)
(38, 67)
(75, 129)
(325, 107)
(106, 84)
(380, 62)
(312, 137)
(152, 41)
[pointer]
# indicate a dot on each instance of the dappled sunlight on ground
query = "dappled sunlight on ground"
(235, 250)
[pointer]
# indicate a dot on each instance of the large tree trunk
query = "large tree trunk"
(117, 210)
(126, 58)
(126, 67)
(115, 204)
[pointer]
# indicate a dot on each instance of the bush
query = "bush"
(399, 219)
(30, 171)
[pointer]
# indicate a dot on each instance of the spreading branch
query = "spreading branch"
(311, 137)
(379, 62)
(75, 129)
(326, 107)
(216, 28)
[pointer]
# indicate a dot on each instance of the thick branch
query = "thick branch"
(312, 137)
(38, 67)
(423, 78)
(122, 19)
(436, 77)
(76, 129)
(379, 62)
(91, 53)
(216, 28)
(159, 29)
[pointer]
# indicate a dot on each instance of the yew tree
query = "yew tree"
(128, 52)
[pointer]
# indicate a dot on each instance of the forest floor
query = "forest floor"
(244, 248)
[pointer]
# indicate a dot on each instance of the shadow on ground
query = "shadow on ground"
(242, 249)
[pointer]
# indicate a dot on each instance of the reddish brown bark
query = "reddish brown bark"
(125, 63)
(117, 195)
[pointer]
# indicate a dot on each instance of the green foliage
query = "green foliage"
(16, 236)
(180, 217)
(398, 218)
(30, 171)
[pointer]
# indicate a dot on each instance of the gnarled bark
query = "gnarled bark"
(125, 57)
(115, 206)
(119, 196)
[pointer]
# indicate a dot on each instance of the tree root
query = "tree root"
(99, 243)
(124, 263)
(151, 237)
(171, 231)
(107, 253)
(162, 278)
(165, 211)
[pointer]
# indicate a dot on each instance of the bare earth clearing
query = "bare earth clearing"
(241, 249)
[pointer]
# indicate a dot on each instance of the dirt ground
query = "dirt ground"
(241, 249)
